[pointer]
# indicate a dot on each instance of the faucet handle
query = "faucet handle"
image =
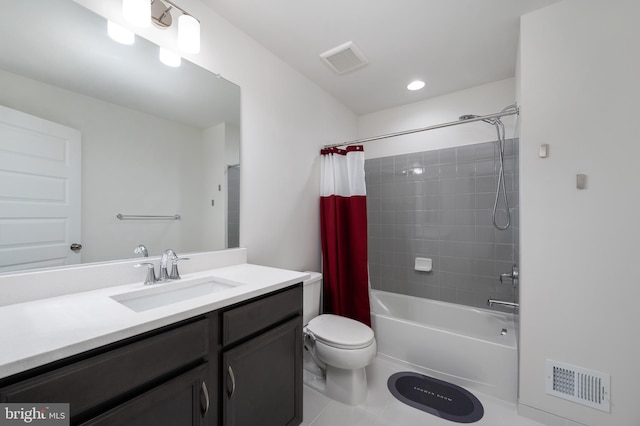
(174, 274)
(151, 272)
(513, 275)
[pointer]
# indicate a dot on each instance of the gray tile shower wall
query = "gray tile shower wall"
(438, 204)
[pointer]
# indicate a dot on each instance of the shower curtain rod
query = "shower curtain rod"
(436, 126)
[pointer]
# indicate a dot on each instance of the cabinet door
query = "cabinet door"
(183, 401)
(102, 380)
(263, 379)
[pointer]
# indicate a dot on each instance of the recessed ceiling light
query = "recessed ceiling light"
(416, 85)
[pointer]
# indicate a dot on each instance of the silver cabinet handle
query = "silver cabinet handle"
(205, 391)
(233, 383)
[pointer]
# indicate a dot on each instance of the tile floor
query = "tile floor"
(382, 409)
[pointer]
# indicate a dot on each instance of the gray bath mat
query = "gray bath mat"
(437, 397)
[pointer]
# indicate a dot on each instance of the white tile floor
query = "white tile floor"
(382, 409)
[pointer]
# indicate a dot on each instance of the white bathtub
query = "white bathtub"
(460, 344)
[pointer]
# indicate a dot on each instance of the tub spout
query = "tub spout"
(513, 305)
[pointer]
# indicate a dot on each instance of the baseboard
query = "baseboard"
(543, 417)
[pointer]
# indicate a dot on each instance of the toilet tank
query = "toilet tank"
(311, 296)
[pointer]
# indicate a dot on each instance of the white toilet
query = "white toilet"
(337, 349)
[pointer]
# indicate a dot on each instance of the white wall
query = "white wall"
(579, 291)
(481, 100)
(285, 121)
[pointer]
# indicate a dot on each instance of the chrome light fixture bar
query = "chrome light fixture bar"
(142, 13)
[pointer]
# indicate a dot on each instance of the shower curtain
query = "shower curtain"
(343, 222)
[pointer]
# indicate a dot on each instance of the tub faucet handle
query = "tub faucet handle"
(513, 275)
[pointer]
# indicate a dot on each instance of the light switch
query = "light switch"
(581, 181)
(544, 150)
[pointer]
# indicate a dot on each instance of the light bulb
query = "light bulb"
(416, 85)
(189, 34)
(120, 34)
(169, 58)
(137, 12)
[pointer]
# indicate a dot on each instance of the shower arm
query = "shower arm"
(510, 110)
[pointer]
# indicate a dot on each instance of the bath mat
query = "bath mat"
(437, 397)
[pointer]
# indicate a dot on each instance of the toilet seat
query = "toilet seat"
(340, 332)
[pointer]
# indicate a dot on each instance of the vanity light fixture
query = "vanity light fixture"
(415, 85)
(159, 12)
(169, 58)
(120, 34)
(137, 12)
(189, 34)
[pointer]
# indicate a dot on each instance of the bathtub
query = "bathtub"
(471, 347)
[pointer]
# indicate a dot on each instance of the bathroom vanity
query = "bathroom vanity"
(231, 357)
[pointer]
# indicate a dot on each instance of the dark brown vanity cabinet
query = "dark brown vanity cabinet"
(240, 365)
(262, 361)
(163, 378)
(183, 400)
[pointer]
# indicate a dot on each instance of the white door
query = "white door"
(39, 192)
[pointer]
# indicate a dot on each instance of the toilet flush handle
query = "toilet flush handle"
(309, 335)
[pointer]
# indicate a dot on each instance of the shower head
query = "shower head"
(501, 142)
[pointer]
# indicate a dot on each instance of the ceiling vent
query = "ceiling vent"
(344, 58)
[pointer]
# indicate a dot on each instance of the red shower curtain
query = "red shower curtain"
(343, 222)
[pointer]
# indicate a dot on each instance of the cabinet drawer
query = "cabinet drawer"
(97, 380)
(258, 315)
(182, 401)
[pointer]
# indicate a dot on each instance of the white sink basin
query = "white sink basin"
(159, 295)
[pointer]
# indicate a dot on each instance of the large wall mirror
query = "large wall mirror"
(155, 140)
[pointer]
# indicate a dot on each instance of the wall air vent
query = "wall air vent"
(344, 58)
(580, 385)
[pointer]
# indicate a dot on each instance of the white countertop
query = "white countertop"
(37, 332)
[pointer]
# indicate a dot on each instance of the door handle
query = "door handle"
(75, 247)
(204, 391)
(231, 379)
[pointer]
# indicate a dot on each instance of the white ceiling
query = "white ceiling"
(450, 44)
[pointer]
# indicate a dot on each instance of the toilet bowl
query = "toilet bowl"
(341, 348)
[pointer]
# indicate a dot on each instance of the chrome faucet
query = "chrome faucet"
(151, 272)
(167, 256)
(174, 274)
(513, 305)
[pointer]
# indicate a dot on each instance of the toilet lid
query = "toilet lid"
(340, 332)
